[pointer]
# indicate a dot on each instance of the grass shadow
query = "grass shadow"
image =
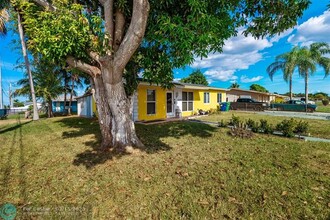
(150, 135)
(12, 128)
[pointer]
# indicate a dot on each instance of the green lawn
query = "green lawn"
(322, 108)
(318, 128)
(187, 170)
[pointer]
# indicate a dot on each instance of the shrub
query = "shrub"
(301, 127)
(287, 127)
(235, 120)
(250, 123)
(325, 102)
(265, 127)
(254, 126)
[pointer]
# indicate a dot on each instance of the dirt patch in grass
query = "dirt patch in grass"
(187, 170)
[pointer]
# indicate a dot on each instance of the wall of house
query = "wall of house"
(85, 108)
(94, 109)
(84, 103)
(160, 103)
(58, 106)
(279, 99)
(234, 95)
(199, 101)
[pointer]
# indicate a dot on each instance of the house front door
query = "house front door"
(169, 104)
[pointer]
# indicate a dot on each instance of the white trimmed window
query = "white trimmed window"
(151, 101)
(219, 97)
(187, 101)
(206, 97)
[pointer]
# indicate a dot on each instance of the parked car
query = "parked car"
(248, 104)
(293, 105)
(309, 101)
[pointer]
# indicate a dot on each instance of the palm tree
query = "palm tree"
(27, 66)
(234, 85)
(47, 82)
(4, 5)
(285, 63)
(4, 17)
(306, 60)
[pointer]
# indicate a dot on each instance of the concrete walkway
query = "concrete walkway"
(314, 115)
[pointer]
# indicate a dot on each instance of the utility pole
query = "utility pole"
(1, 96)
(10, 97)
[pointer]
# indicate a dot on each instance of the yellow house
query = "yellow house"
(151, 102)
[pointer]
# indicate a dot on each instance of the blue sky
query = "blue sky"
(244, 59)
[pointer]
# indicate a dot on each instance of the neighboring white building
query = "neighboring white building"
(86, 106)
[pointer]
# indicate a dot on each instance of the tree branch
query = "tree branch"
(108, 17)
(119, 29)
(102, 2)
(45, 4)
(94, 55)
(86, 68)
(134, 35)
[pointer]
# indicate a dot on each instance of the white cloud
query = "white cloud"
(276, 38)
(210, 81)
(315, 29)
(239, 53)
(245, 79)
(7, 65)
(222, 75)
(242, 44)
(176, 79)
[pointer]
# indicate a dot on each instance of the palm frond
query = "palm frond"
(4, 17)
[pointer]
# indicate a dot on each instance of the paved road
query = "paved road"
(314, 115)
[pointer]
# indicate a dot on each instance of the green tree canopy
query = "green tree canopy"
(259, 88)
(115, 39)
(47, 82)
(196, 77)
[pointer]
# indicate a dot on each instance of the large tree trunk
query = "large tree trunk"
(28, 69)
(113, 106)
(115, 116)
(104, 115)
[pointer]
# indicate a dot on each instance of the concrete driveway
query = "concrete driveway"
(314, 115)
